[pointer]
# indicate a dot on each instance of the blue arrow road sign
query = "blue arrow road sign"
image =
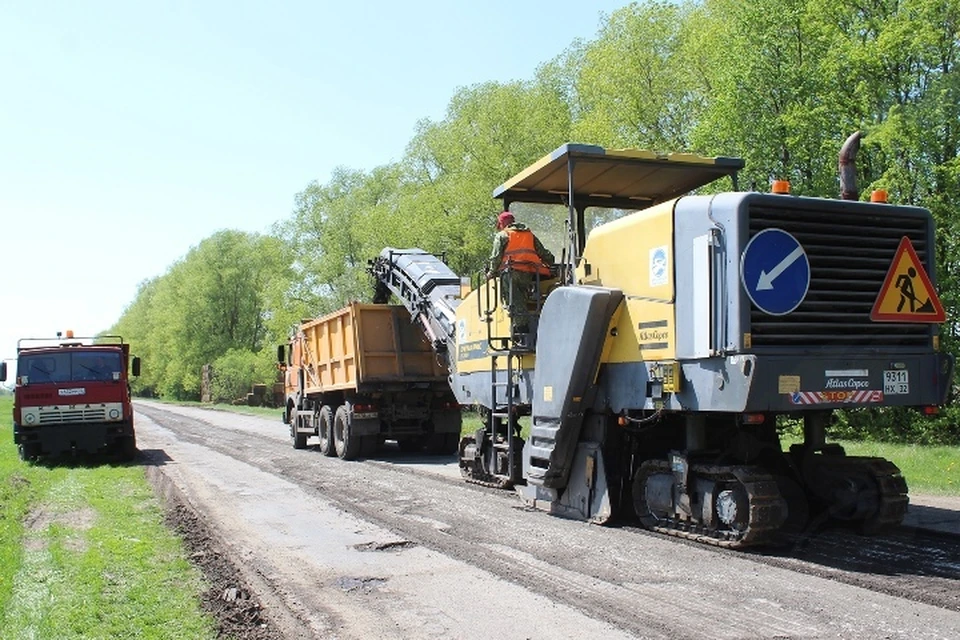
(775, 272)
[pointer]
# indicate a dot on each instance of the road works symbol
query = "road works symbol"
(775, 272)
(907, 294)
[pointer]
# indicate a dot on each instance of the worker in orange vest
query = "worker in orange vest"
(521, 260)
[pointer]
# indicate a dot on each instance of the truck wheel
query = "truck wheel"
(325, 431)
(299, 440)
(347, 444)
(128, 448)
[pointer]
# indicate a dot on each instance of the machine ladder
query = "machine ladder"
(502, 426)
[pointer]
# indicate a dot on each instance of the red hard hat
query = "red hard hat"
(505, 218)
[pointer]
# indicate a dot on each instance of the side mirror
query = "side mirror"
(3, 371)
(281, 357)
(136, 366)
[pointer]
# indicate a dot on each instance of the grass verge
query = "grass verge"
(928, 470)
(84, 553)
(265, 412)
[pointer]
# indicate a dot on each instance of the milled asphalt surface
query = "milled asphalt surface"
(378, 549)
(933, 513)
(936, 513)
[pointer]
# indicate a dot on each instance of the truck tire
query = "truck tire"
(127, 450)
(297, 439)
(28, 452)
(347, 444)
(325, 431)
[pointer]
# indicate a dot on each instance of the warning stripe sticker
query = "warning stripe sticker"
(833, 397)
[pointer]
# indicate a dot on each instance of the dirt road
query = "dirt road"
(395, 549)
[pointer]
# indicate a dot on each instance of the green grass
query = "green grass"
(928, 470)
(84, 553)
(267, 412)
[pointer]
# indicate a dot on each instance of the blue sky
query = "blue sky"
(130, 131)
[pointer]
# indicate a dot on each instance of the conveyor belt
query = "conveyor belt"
(426, 286)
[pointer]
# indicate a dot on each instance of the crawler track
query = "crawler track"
(473, 470)
(766, 507)
(882, 501)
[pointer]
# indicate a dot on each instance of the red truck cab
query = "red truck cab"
(73, 397)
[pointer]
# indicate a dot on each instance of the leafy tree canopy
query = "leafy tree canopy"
(780, 83)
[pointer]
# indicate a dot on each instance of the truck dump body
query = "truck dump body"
(365, 374)
(367, 345)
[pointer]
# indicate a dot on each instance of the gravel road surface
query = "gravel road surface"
(397, 547)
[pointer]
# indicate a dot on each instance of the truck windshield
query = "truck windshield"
(68, 366)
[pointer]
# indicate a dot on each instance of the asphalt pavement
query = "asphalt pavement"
(938, 513)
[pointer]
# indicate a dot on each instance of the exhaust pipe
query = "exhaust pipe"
(848, 167)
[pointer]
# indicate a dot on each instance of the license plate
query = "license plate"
(896, 382)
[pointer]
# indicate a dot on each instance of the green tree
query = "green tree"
(136, 326)
(633, 89)
(490, 132)
(438, 198)
(237, 370)
(209, 302)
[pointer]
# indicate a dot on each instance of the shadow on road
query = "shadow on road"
(153, 458)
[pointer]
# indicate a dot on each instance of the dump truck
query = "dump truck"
(363, 375)
(72, 397)
(680, 338)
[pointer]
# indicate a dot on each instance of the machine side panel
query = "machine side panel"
(709, 384)
(635, 255)
(572, 332)
(708, 303)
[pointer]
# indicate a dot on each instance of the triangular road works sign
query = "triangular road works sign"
(907, 294)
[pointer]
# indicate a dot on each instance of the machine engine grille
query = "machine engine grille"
(850, 252)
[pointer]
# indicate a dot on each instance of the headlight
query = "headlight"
(30, 418)
(114, 414)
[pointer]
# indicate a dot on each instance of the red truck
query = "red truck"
(72, 396)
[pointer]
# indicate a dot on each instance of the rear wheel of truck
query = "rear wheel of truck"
(297, 439)
(325, 431)
(347, 444)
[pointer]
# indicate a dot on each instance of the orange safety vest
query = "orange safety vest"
(520, 253)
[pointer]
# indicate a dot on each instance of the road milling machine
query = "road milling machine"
(676, 340)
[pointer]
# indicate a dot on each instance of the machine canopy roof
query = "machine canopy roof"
(614, 178)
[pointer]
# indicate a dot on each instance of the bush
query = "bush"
(236, 371)
(898, 425)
